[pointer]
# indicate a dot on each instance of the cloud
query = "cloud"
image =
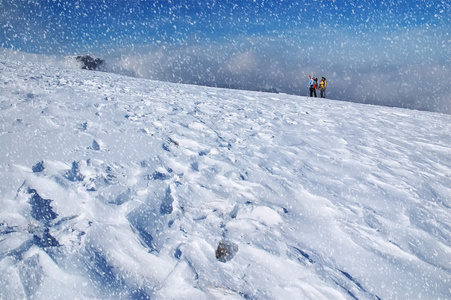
(402, 69)
(242, 62)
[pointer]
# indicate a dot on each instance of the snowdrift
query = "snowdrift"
(122, 188)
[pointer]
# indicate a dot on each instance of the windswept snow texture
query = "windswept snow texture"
(123, 188)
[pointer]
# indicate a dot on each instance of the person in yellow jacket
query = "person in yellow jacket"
(322, 87)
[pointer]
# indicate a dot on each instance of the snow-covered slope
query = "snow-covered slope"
(121, 188)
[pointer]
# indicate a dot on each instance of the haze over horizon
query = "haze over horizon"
(377, 52)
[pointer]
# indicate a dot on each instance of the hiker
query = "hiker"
(312, 85)
(322, 87)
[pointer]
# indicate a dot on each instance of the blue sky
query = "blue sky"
(381, 52)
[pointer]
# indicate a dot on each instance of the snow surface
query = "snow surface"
(122, 188)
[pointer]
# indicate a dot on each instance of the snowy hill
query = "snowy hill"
(122, 188)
